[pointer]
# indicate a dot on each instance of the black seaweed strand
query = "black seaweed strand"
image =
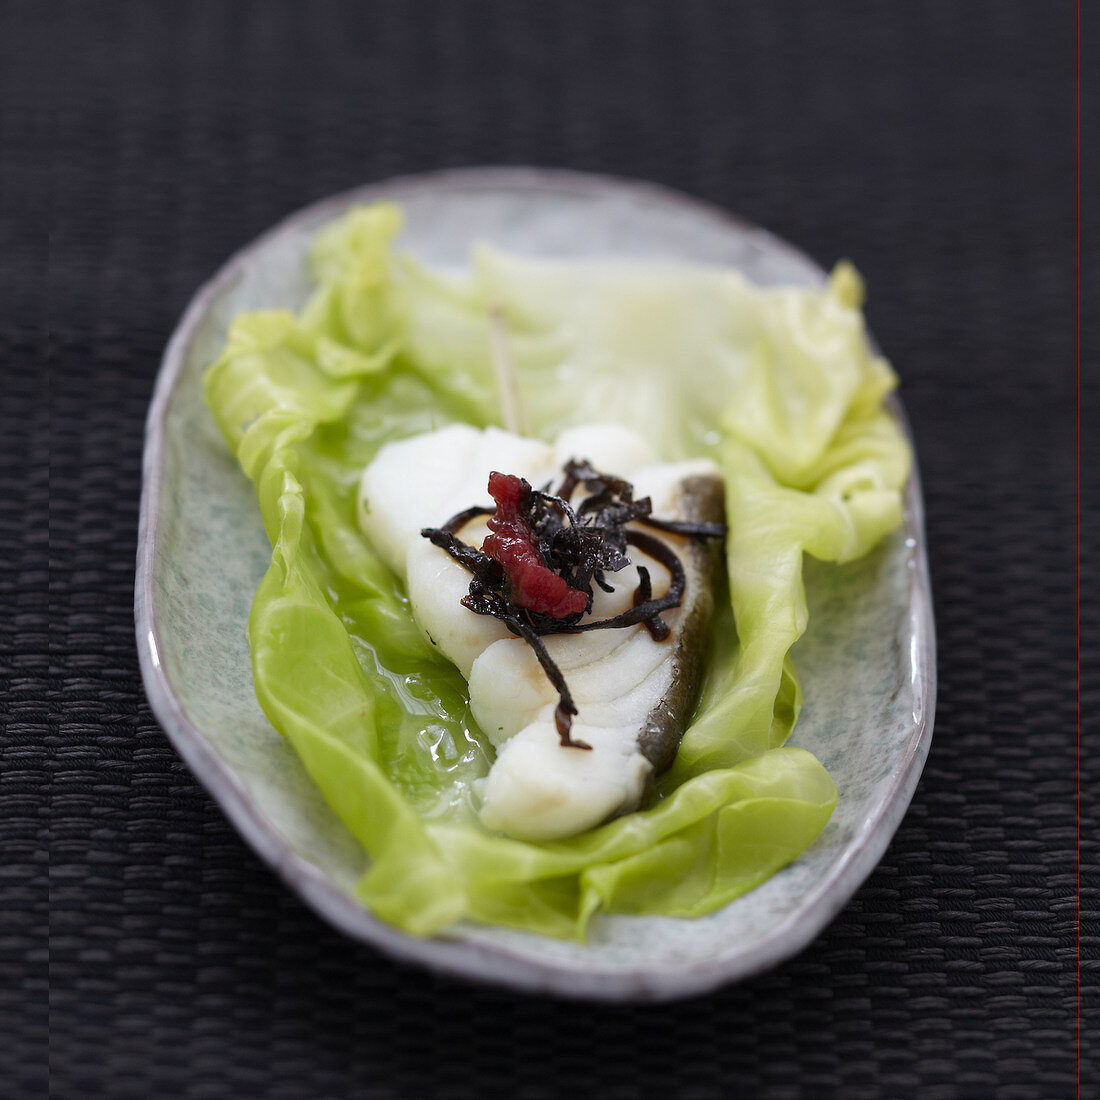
(457, 522)
(690, 530)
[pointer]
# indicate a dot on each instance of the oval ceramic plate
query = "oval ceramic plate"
(867, 660)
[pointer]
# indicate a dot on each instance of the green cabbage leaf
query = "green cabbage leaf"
(777, 385)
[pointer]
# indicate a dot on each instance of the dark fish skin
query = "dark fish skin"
(659, 740)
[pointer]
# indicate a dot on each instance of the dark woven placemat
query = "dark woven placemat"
(931, 143)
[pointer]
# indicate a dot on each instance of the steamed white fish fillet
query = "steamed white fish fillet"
(633, 694)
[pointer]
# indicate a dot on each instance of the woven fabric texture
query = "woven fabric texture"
(931, 143)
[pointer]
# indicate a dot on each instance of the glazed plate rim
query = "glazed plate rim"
(501, 964)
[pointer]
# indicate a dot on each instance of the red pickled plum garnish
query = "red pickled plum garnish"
(512, 545)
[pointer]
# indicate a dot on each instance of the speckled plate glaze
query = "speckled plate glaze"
(867, 660)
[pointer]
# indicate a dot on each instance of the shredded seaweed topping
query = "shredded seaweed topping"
(536, 570)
